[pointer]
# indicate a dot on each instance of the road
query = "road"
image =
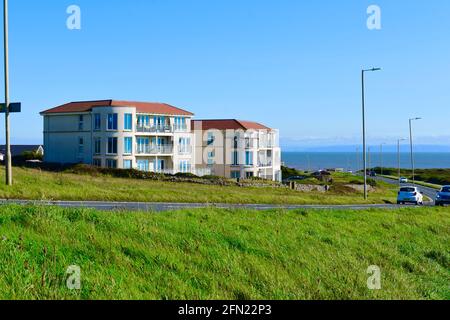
(160, 207)
(429, 192)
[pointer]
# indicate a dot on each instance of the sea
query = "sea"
(352, 161)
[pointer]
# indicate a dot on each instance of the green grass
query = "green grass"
(43, 185)
(224, 254)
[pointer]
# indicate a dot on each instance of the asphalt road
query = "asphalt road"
(160, 207)
(429, 192)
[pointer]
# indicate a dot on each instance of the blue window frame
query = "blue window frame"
(185, 166)
(235, 174)
(111, 163)
(143, 165)
(128, 164)
(112, 145)
(248, 158)
(112, 121)
(97, 121)
(128, 145)
(128, 121)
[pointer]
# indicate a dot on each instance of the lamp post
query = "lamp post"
(381, 158)
(8, 166)
(364, 127)
(412, 148)
(398, 160)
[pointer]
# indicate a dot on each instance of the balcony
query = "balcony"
(180, 128)
(155, 129)
(184, 150)
(265, 164)
(154, 150)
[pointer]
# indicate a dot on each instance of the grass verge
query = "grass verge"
(34, 184)
(224, 254)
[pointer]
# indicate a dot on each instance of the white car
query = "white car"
(403, 180)
(410, 195)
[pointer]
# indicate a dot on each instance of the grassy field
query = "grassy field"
(224, 254)
(42, 185)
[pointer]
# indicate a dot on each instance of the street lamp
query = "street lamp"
(364, 127)
(398, 159)
(412, 148)
(8, 165)
(381, 158)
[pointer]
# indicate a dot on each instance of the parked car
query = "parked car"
(372, 174)
(403, 180)
(410, 195)
(443, 196)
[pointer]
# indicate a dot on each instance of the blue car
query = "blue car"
(443, 196)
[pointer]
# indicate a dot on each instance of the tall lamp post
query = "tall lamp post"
(412, 148)
(8, 165)
(398, 160)
(381, 157)
(364, 127)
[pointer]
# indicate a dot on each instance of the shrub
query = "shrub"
(32, 155)
(372, 182)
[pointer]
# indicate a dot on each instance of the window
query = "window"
(185, 145)
(128, 164)
(143, 121)
(112, 121)
(112, 146)
(210, 138)
(97, 122)
(111, 163)
(143, 145)
(97, 162)
(249, 175)
(128, 145)
(80, 145)
(128, 121)
(211, 155)
(180, 124)
(159, 121)
(143, 165)
(235, 158)
(80, 123)
(248, 158)
(97, 145)
(235, 174)
(185, 166)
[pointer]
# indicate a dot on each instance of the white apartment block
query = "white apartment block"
(237, 149)
(152, 137)
(157, 137)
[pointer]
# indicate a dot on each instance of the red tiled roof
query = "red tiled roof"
(141, 107)
(232, 124)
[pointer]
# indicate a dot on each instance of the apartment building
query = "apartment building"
(237, 149)
(152, 137)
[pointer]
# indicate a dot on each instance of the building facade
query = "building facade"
(237, 149)
(120, 134)
(158, 137)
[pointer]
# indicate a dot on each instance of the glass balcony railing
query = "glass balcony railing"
(154, 129)
(161, 128)
(151, 150)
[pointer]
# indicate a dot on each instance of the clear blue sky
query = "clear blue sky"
(293, 65)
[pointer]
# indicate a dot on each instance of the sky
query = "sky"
(292, 65)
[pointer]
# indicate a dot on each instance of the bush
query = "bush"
(32, 155)
(186, 175)
(372, 182)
